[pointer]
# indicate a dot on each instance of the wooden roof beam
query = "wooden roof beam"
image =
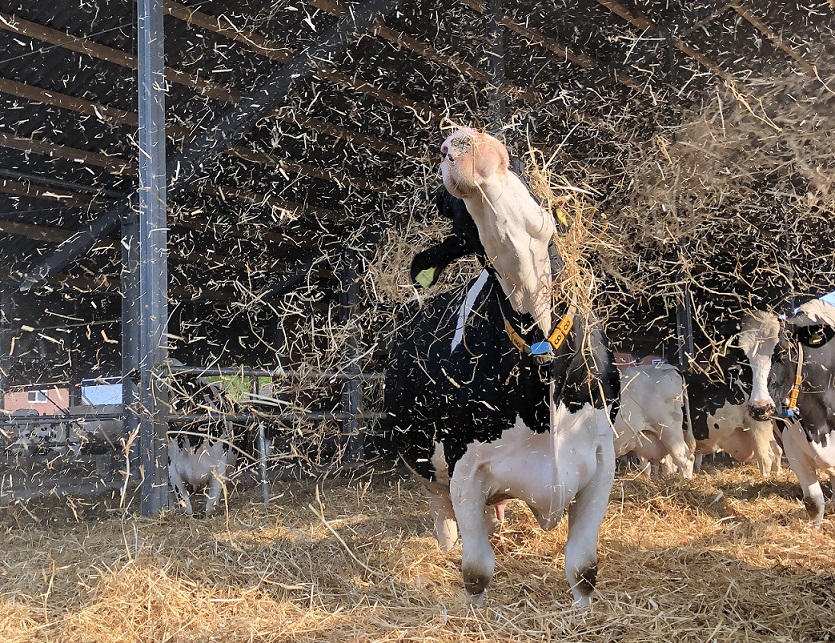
(280, 53)
(580, 59)
(109, 54)
(207, 88)
(112, 164)
(45, 233)
(774, 37)
(639, 20)
(121, 117)
(423, 50)
(59, 235)
(316, 124)
(632, 16)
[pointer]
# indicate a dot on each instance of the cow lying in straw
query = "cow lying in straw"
(493, 393)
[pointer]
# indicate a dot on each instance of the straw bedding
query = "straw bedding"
(726, 556)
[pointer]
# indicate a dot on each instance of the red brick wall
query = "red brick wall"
(58, 398)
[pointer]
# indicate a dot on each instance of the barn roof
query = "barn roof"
(331, 158)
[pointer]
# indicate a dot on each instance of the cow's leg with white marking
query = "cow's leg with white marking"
(443, 517)
(767, 452)
(804, 468)
(176, 458)
(222, 458)
(585, 470)
(469, 493)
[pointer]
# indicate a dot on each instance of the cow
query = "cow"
(651, 417)
(202, 453)
(719, 418)
(793, 366)
(479, 407)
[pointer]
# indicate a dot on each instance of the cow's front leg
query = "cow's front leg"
(807, 475)
(585, 515)
(217, 484)
(766, 450)
(443, 516)
(180, 491)
(469, 501)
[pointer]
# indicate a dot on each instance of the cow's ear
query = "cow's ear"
(814, 336)
(427, 268)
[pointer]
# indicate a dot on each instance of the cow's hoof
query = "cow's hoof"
(476, 584)
(476, 599)
(814, 510)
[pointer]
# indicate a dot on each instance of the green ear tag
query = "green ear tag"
(426, 277)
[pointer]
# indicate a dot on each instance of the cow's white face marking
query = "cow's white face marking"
(513, 229)
(758, 339)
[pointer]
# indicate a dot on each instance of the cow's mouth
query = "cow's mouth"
(761, 412)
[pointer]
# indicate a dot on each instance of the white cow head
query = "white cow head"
(514, 230)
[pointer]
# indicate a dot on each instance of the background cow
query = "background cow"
(651, 417)
(477, 420)
(201, 452)
(802, 345)
(719, 418)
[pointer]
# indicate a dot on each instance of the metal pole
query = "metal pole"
(5, 342)
(254, 386)
(494, 50)
(131, 320)
(684, 329)
(153, 259)
(352, 434)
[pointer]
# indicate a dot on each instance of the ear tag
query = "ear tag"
(541, 348)
(426, 277)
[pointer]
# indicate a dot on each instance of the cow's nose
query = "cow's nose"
(444, 149)
(761, 410)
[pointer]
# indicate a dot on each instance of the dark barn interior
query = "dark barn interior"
(300, 136)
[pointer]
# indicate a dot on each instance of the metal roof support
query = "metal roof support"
(353, 435)
(5, 340)
(224, 130)
(494, 49)
(131, 319)
(684, 329)
(153, 262)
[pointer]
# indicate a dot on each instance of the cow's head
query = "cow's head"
(771, 347)
(759, 339)
(468, 158)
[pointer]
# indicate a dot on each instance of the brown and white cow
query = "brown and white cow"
(651, 418)
(480, 420)
(793, 364)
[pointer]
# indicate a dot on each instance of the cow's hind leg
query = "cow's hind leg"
(585, 515)
(443, 516)
(469, 500)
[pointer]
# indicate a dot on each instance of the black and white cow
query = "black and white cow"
(719, 418)
(650, 422)
(201, 452)
(793, 366)
(480, 421)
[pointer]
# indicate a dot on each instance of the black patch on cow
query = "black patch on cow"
(706, 395)
(475, 391)
(816, 400)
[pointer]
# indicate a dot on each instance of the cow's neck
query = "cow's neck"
(516, 233)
